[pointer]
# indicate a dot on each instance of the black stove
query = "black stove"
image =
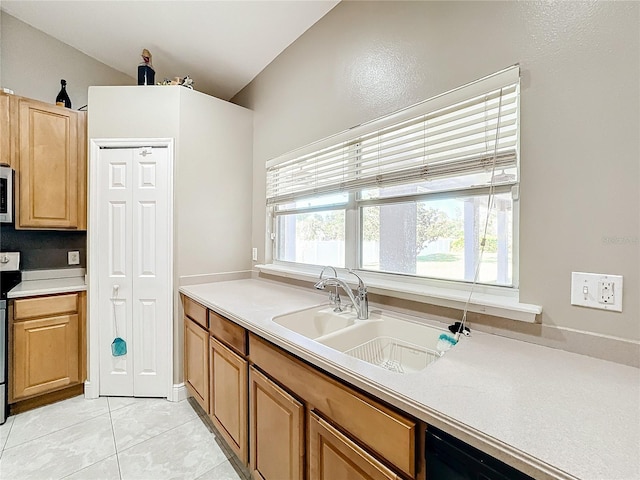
(8, 280)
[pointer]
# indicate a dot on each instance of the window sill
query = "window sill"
(487, 300)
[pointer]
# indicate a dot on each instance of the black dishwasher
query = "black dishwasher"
(451, 459)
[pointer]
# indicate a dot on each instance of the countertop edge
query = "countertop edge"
(35, 288)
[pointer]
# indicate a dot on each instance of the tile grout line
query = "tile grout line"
(113, 436)
(88, 466)
(102, 459)
(59, 430)
(231, 457)
(4, 444)
(154, 436)
(4, 447)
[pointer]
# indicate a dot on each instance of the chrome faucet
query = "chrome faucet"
(360, 301)
(334, 297)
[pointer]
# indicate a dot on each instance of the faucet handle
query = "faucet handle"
(361, 286)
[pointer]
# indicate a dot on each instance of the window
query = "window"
(430, 191)
(312, 231)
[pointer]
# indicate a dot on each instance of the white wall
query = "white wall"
(580, 147)
(32, 64)
(213, 186)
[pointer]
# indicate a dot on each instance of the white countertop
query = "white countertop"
(549, 413)
(47, 286)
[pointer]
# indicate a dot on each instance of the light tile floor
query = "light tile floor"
(115, 438)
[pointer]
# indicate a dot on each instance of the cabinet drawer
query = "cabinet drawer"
(228, 332)
(384, 431)
(195, 311)
(45, 306)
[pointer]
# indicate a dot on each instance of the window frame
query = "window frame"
(353, 231)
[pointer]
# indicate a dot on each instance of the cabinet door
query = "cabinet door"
(82, 170)
(45, 355)
(5, 130)
(48, 166)
(332, 455)
(196, 362)
(387, 433)
(276, 431)
(228, 396)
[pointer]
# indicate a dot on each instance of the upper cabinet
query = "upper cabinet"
(47, 149)
(5, 131)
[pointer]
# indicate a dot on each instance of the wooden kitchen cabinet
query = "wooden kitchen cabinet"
(288, 419)
(196, 361)
(46, 145)
(5, 131)
(228, 396)
(384, 432)
(276, 431)
(216, 372)
(333, 455)
(47, 344)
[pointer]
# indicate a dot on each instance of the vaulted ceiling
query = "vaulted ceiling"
(222, 45)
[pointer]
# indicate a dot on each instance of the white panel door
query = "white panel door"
(134, 283)
(151, 283)
(115, 266)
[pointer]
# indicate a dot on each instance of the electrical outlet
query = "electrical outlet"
(596, 290)
(254, 254)
(73, 258)
(606, 291)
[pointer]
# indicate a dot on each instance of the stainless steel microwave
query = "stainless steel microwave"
(6, 194)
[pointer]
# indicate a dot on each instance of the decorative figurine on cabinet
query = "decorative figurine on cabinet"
(63, 99)
(146, 73)
(187, 82)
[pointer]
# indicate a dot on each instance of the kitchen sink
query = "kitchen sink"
(317, 321)
(395, 344)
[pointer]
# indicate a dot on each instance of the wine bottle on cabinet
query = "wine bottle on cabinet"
(63, 99)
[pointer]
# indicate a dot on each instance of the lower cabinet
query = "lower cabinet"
(196, 362)
(288, 420)
(276, 432)
(47, 344)
(216, 372)
(333, 455)
(369, 426)
(228, 396)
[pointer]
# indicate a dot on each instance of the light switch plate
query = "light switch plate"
(597, 290)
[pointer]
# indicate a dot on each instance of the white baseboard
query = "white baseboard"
(178, 392)
(90, 392)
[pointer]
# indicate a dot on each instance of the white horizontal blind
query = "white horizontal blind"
(452, 134)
